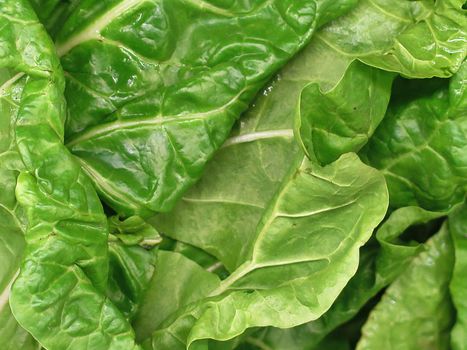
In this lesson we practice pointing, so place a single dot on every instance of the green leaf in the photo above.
(58, 295)
(154, 87)
(416, 311)
(12, 335)
(421, 146)
(458, 91)
(342, 119)
(419, 39)
(12, 219)
(290, 265)
(458, 286)
(225, 206)
(199, 256)
(178, 281)
(133, 231)
(12, 226)
(338, 112)
(132, 261)
(53, 13)
(379, 265)
(264, 133)
(130, 271)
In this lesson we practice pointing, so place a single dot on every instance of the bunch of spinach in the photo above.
(223, 174)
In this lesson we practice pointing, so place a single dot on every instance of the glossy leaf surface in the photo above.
(12, 225)
(154, 87)
(419, 39)
(57, 296)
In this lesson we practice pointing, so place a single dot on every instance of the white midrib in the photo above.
(150, 242)
(203, 5)
(93, 31)
(251, 265)
(9, 83)
(259, 135)
(4, 297)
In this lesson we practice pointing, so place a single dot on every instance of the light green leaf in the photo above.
(416, 311)
(12, 226)
(225, 206)
(133, 231)
(458, 286)
(379, 265)
(342, 119)
(12, 335)
(12, 220)
(291, 274)
(178, 281)
(421, 146)
(419, 39)
(458, 92)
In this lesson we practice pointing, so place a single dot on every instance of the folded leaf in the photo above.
(379, 265)
(58, 295)
(304, 250)
(335, 116)
(458, 286)
(132, 259)
(342, 119)
(416, 311)
(421, 146)
(12, 218)
(154, 87)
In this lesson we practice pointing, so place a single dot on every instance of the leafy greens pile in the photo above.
(221, 174)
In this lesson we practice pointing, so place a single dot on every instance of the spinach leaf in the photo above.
(380, 264)
(421, 146)
(416, 311)
(58, 294)
(154, 87)
(335, 116)
(53, 13)
(458, 230)
(12, 226)
(293, 256)
(419, 39)
(224, 207)
(132, 260)
(228, 219)
(12, 218)
(342, 119)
